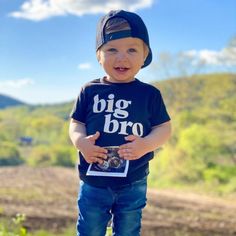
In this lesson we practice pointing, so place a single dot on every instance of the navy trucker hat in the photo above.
(137, 30)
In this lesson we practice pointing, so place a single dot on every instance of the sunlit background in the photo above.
(47, 52)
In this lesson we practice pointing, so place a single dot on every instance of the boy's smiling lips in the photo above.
(121, 69)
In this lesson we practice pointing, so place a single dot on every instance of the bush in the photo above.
(9, 154)
(14, 227)
(220, 174)
(52, 156)
(64, 156)
(40, 156)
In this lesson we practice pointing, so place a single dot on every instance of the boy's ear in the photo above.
(98, 56)
(146, 51)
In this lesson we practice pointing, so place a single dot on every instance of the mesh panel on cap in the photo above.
(116, 24)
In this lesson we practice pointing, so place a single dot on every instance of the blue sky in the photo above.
(47, 47)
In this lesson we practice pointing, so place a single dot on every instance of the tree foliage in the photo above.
(9, 154)
(202, 148)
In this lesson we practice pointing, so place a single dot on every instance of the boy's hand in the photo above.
(90, 151)
(134, 149)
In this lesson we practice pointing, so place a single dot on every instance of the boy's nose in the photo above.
(121, 56)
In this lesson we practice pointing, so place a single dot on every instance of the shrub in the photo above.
(9, 154)
(13, 227)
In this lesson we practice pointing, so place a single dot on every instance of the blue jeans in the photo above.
(97, 206)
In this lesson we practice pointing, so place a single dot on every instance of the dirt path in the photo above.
(48, 198)
(188, 214)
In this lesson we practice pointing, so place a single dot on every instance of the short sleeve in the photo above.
(80, 106)
(159, 113)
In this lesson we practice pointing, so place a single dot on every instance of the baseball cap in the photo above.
(137, 30)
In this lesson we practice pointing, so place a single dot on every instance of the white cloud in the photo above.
(17, 84)
(209, 57)
(190, 53)
(85, 66)
(224, 57)
(37, 10)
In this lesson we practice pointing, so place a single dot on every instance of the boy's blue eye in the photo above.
(112, 50)
(132, 50)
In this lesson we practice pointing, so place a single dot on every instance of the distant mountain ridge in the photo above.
(7, 101)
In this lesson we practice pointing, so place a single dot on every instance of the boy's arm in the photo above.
(86, 144)
(138, 146)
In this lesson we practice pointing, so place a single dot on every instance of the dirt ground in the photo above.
(48, 198)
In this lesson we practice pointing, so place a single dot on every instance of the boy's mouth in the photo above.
(121, 69)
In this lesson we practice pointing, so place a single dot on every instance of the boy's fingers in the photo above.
(130, 157)
(125, 149)
(100, 149)
(95, 159)
(94, 137)
(101, 155)
(124, 146)
(98, 160)
(130, 138)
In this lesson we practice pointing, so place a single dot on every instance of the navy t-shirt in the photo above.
(117, 110)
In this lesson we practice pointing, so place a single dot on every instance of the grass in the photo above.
(30, 194)
(66, 232)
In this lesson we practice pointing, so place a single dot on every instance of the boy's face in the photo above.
(122, 58)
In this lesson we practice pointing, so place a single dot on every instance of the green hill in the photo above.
(6, 101)
(202, 150)
(211, 91)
